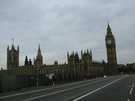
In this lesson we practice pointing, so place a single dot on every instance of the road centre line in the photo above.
(128, 99)
(131, 90)
(100, 88)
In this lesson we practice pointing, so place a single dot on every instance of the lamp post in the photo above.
(37, 79)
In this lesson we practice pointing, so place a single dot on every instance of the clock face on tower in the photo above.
(109, 42)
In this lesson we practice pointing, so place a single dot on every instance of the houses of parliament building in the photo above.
(35, 73)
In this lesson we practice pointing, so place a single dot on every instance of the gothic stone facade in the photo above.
(76, 68)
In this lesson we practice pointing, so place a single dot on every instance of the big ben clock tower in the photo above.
(110, 46)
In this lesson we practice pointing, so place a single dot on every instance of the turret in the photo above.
(26, 61)
(39, 58)
(30, 62)
(12, 57)
(67, 55)
(39, 51)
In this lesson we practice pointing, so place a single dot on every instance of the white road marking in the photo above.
(131, 90)
(60, 91)
(128, 99)
(28, 92)
(40, 90)
(79, 98)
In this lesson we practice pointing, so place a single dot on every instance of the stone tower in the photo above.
(73, 58)
(12, 57)
(39, 58)
(86, 59)
(110, 46)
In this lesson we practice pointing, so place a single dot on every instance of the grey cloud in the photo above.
(61, 26)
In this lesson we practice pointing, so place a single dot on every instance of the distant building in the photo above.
(110, 46)
(12, 57)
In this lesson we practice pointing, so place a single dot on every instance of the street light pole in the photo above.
(37, 79)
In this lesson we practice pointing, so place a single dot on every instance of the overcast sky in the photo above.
(67, 25)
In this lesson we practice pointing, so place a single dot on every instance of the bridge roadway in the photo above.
(113, 88)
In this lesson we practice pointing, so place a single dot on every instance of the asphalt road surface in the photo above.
(114, 88)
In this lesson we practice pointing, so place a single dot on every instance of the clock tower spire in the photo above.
(110, 46)
(109, 30)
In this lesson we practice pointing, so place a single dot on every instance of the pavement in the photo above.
(113, 88)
